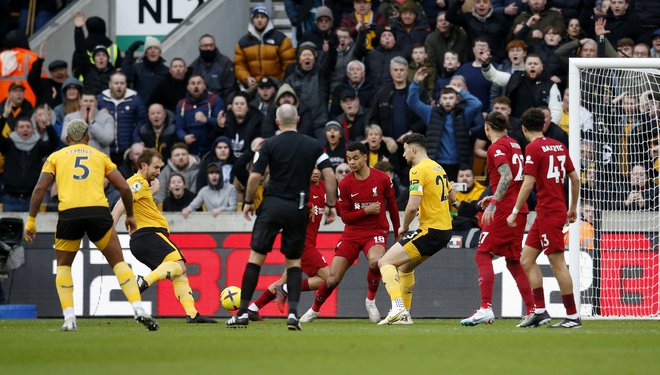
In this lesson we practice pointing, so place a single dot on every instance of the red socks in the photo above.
(486, 278)
(373, 281)
(321, 295)
(522, 281)
(569, 304)
(264, 298)
(539, 298)
(304, 285)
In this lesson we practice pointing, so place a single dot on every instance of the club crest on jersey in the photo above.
(498, 152)
(528, 160)
(136, 187)
(375, 191)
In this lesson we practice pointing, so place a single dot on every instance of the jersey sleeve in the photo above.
(498, 155)
(109, 165)
(416, 181)
(532, 162)
(322, 160)
(49, 165)
(569, 164)
(261, 159)
(139, 189)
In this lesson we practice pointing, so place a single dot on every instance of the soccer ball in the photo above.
(230, 298)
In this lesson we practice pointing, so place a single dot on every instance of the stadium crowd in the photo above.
(349, 68)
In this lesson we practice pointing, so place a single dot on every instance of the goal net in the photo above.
(614, 107)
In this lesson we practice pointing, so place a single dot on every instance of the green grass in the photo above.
(337, 346)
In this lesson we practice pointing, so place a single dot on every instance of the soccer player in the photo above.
(290, 157)
(364, 195)
(505, 172)
(149, 242)
(430, 194)
(313, 264)
(546, 165)
(78, 171)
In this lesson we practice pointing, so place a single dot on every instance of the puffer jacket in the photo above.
(163, 141)
(267, 54)
(129, 113)
(210, 105)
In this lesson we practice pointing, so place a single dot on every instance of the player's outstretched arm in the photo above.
(502, 186)
(523, 194)
(575, 192)
(38, 193)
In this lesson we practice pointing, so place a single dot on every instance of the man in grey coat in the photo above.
(101, 124)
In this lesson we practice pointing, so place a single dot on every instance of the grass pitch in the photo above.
(328, 346)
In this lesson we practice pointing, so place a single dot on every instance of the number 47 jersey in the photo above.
(548, 161)
(506, 150)
(79, 171)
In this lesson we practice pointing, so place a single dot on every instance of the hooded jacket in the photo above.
(226, 166)
(260, 55)
(239, 135)
(59, 110)
(188, 172)
(129, 113)
(305, 125)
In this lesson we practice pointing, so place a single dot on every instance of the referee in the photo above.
(291, 158)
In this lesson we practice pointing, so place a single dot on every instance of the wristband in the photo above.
(31, 221)
(329, 206)
(248, 202)
(515, 211)
(493, 202)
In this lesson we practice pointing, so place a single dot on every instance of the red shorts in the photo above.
(311, 261)
(499, 238)
(351, 245)
(546, 233)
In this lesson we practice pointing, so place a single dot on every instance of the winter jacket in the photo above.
(129, 113)
(377, 61)
(259, 55)
(218, 74)
(210, 105)
(305, 125)
(144, 75)
(405, 39)
(437, 44)
(312, 89)
(101, 130)
(364, 90)
(240, 135)
(189, 174)
(168, 92)
(226, 166)
(45, 89)
(224, 198)
(381, 112)
(493, 26)
(163, 141)
(549, 17)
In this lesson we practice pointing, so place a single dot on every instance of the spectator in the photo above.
(159, 131)
(221, 155)
(286, 95)
(574, 30)
(342, 171)
(16, 63)
(240, 124)
(345, 54)
(130, 166)
(95, 74)
(128, 111)
(655, 42)
(465, 212)
(181, 162)
(526, 89)
(178, 197)
(173, 88)
(641, 50)
(14, 106)
(355, 79)
(478, 85)
(363, 19)
(569, 9)
(446, 37)
(409, 28)
(587, 47)
(586, 117)
(624, 47)
(482, 22)
(335, 146)
(450, 66)
(501, 104)
(216, 196)
(146, 74)
(310, 79)
(197, 115)
(264, 51)
(322, 31)
(377, 59)
(24, 151)
(266, 89)
(101, 125)
(216, 68)
(640, 194)
(551, 129)
(352, 118)
(85, 46)
(49, 89)
(447, 132)
(552, 66)
(533, 21)
(419, 59)
(71, 93)
(648, 13)
(243, 165)
(619, 22)
(399, 191)
(301, 14)
(516, 52)
(380, 148)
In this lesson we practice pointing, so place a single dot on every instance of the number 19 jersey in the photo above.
(506, 150)
(548, 161)
(79, 171)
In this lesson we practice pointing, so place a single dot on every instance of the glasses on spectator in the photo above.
(343, 171)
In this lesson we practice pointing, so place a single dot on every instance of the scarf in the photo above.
(25, 145)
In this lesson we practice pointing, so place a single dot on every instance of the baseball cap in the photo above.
(655, 33)
(57, 64)
(333, 124)
(266, 82)
(99, 48)
(16, 85)
(347, 93)
(260, 9)
(76, 130)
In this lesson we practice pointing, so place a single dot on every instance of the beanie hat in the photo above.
(307, 46)
(324, 11)
(260, 9)
(150, 41)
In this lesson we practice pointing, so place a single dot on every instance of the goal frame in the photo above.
(575, 64)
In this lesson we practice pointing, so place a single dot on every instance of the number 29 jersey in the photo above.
(79, 171)
(506, 150)
(548, 161)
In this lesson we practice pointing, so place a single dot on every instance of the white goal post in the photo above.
(614, 135)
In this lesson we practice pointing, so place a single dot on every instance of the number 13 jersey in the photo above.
(79, 171)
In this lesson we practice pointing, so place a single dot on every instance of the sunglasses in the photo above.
(343, 171)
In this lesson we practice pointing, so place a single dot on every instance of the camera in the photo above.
(460, 186)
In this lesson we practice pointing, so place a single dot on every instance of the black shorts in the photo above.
(74, 223)
(425, 242)
(277, 214)
(152, 246)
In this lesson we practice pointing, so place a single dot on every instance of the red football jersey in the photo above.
(548, 161)
(506, 150)
(316, 205)
(355, 195)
